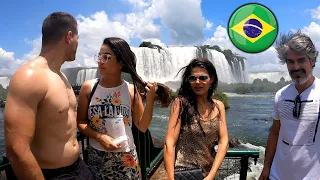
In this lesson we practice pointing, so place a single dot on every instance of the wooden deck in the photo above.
(160, 174)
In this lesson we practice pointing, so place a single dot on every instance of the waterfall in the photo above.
(4, 81)
(85, 74)
(162, 65)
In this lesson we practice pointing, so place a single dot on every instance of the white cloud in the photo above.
(120, 17)
(220, 37)
(209, 24)
(139, 4)
(185, 24)
(8, 63)
(184, 20)
(141, 26)
(95, 28)
(36, 48)
(315, 13)
(266, 61)
(6, 56)
(92, 31)
(98, 25)
(313, 30)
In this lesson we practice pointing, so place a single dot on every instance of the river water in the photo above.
(247, 119)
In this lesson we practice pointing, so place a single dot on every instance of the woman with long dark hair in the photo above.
(196, 122)
(108, 107)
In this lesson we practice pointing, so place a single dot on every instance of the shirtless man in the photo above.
(40, 116)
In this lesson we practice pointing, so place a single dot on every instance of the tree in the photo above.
(217, 48)
(227, 52)
(257, 81)
(145, 44)
(221, 96)
(3, 93)
(150, 45)
(242, 88)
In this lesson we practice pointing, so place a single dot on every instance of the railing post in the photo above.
(244, 167)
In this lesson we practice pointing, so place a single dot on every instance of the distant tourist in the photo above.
(196, 122)
(109, 106)
(39, 118)
(293, 147)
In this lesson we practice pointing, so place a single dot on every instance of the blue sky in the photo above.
(20, 22)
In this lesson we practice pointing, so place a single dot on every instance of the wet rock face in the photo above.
(157, 142)
(234, 143)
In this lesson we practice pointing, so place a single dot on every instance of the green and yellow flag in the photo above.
(253, 28)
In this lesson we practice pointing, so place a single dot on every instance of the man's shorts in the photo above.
(76, 171)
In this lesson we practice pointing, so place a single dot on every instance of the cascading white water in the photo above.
(163, 65)
(4, 81)
(85, 74)
(239, 70)
(221, 64)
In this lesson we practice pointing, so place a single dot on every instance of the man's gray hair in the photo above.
(298, 42)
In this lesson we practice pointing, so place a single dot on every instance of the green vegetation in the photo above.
(257, 85)
(175, 93)
(3, 93)
(221, 96)
(3, 96)
(150, 45)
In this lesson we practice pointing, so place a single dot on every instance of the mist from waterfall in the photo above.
(271, 76)
(4, 81)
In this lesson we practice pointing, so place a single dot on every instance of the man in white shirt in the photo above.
(293, 147)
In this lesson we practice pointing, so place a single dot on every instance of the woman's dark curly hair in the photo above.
(188, 111)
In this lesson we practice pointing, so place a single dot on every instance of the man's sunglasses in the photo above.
(296, 109)
(194, 78)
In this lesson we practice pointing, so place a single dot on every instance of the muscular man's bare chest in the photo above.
(59, 104)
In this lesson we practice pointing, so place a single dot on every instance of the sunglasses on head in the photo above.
(201, 78)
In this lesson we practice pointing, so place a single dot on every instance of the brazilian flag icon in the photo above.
(252, 28)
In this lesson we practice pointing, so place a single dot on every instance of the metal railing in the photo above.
(235, 162)
(151, 156)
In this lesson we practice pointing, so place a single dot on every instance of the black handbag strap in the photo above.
(90, 97)
(93, 90)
